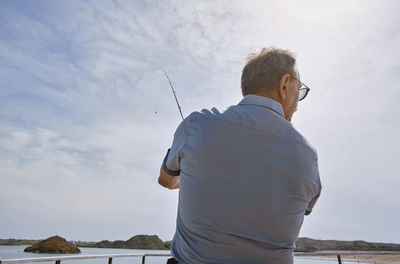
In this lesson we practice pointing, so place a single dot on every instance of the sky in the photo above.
(86, 113)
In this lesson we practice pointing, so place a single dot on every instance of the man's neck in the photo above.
(272, 96)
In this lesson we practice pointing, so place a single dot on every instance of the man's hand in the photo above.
(168, 181)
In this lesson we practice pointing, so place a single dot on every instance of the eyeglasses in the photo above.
(303, 89)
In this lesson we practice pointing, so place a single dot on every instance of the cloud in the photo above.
(81, 83)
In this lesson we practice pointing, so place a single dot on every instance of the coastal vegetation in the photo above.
(54, 244)
(305, 244)
(17, 242)
(135, 242)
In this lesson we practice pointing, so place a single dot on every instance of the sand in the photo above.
(373, 257)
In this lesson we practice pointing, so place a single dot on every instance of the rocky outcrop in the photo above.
(54, 244)
(136, 242)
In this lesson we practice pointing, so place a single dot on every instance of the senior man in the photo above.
(246, 176)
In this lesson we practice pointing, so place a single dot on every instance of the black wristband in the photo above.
(168, 171)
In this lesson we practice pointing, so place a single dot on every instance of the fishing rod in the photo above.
(176, 98)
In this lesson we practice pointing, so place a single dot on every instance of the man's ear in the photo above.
(283, 86)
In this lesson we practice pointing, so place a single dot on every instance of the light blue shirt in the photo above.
(247, 177)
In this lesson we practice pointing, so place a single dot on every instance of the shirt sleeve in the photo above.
(313, 202)
(171, 164)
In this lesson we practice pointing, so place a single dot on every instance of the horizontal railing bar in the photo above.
(43, 259)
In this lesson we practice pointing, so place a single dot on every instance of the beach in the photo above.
(374, 257)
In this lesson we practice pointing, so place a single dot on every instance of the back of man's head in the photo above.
(264, 69)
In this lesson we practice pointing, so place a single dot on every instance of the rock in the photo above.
(54, 244)
(145, 242)
(136, 242)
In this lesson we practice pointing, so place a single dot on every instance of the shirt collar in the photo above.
(261, 101)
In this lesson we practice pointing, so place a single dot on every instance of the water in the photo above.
(11, 252)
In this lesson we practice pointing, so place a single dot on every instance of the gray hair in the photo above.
(264, 69)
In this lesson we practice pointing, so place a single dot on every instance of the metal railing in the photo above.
(58, 259)
(110, 257)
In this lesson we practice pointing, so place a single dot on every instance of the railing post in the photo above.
(143, 259)
(339, 259)
(109, 260)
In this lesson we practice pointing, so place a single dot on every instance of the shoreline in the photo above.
(366, 256)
